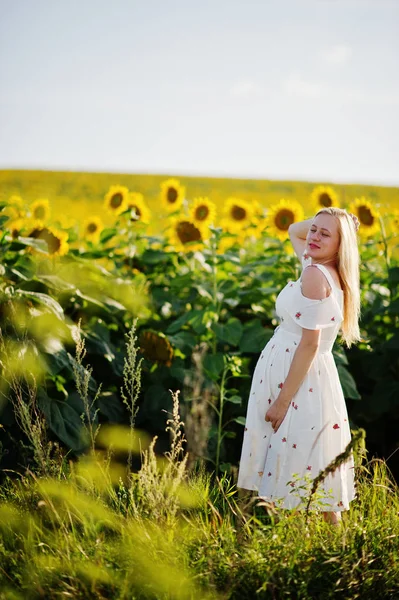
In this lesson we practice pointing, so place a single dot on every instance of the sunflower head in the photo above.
(14, 208)
(202, 211)
(281, 216)
(367, 215)
(238, 214)
(172, 194)
(156, 347)
(323, 196)
(92, 228)
(15, 227)
(116, 199)
(55, 239)
(40, 210)
(140, 210)
(187, 236)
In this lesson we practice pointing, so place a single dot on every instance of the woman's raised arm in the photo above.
(298, 232)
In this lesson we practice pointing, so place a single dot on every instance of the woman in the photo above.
(297, 420)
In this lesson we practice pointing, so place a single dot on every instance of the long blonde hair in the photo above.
(348, 261)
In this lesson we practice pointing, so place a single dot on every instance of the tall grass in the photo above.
(99, 530)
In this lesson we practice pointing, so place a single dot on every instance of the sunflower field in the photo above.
(127, 301)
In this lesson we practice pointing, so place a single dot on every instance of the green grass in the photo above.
(95, 531)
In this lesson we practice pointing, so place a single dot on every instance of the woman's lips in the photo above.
(313, 246)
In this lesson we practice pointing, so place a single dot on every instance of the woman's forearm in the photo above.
(300, 365)
(300, 228)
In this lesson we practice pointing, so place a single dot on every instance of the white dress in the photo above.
(280, 466)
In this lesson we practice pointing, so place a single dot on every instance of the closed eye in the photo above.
(313, 230)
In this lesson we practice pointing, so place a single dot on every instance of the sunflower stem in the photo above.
(214, 287)
(220, 419)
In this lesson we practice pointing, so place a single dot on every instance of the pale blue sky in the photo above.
(294, 89)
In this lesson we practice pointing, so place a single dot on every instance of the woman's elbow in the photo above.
(311, 339)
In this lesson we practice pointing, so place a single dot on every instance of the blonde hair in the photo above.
(348, 261)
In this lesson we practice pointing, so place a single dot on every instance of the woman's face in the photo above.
(322, 241)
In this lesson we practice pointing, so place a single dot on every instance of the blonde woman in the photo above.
(297, 420)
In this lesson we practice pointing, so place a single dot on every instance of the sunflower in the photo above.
(116, 199)
(185, 235)
(156, 347)
(16, 202)
(280, 217)
(40, 210)
(92, 228)
(56, 240)
(238, 214)
(137, 204)
(14, 208)
(15, 227)
(394, 222)
(367, 215)
(172, 194)
(323, 197)
(202, 211)
(229, 241)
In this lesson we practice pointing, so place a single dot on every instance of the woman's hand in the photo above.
(355, 221)
(276, 414)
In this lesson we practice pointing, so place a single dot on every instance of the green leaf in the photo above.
(63, 419)
(348, 383)
(229, 332)
(340, 356)
(234, 399)
(44, 300)
(254, 337)
(213, 365)
(184, 340)
(111, 407)
(240, 420)
(107, 234)
(180, 321)
(154, 257)
(58, 361)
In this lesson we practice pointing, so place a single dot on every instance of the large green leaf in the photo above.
(254, 337)
(213, 365)
(229, 332)
(179, 322)
(64, 419)
(44, 300)
(111, 407)
(348, 383)
(184, 340)
(154, 257)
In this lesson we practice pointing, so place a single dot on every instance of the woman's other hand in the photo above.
(276, 414)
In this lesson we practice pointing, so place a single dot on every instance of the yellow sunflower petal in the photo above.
(187, 236)
(172, 194)
(116, 199)
(238, 214)
(281, 215)
(367, 215)
(202, 211)
(137, 204)
(56, 239)
(92, 228)
(40, 209)
(323, 196)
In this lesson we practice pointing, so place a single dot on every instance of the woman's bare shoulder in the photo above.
(314, 283)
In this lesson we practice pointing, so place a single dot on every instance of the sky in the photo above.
(270, 89)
